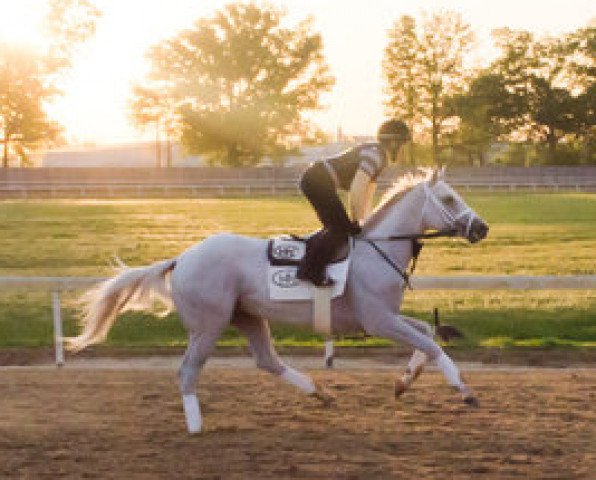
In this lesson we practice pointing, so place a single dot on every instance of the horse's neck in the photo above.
(402, 218)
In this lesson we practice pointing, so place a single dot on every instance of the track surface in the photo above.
(99, 422)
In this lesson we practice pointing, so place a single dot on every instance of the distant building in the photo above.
(123, 155)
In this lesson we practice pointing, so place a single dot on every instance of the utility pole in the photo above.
(157, 144)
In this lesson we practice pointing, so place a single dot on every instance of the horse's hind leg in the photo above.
(259, 339)
(200, 346)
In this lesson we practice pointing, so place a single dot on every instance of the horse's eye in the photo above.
(448, 200)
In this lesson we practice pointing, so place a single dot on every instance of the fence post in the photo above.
(329, 353)
(58, 342)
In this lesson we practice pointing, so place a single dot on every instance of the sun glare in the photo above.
(22, 22)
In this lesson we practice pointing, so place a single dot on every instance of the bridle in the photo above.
(448, 217)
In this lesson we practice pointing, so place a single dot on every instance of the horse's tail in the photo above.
(131, 289)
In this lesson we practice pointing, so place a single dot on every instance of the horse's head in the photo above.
(444, 209)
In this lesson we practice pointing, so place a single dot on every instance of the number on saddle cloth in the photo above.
(286, 250)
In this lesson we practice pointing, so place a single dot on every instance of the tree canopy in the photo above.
(538, 90)
(236, 87)
(424, 64)
(28, 79)
(551, 79)
(23, 122)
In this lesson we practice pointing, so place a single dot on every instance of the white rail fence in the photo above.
(220, 181)
(251, 187)
(503, 282)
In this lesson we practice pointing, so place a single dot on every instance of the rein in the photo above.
(416, 249)
(413, 236)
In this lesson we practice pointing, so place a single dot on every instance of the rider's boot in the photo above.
(319, 252)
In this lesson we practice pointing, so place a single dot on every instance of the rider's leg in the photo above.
(321, 192)
(319, 252)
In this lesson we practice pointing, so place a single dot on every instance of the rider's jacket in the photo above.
(369, 157)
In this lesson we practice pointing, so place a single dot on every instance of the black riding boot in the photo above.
(319, 253)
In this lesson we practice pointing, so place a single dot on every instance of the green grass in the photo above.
(531, 234)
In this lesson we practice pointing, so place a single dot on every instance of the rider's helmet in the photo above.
(393, 132)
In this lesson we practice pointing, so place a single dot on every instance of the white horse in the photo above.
(222, 281)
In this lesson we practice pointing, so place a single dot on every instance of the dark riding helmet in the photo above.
(394, 130)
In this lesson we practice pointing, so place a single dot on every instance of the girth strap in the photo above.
(321, 298)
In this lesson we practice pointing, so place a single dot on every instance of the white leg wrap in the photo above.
(303, 382)
(418, 358)
(192, 412)
(449, 369)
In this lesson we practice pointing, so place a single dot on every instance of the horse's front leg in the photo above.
(417, 361)
(415, 367)
(399, 329)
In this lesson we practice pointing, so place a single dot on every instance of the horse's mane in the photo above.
(396, 192)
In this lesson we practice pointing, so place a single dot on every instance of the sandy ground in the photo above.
(125, 421)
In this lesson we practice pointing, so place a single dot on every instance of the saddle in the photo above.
(284, 254)
(289, 250)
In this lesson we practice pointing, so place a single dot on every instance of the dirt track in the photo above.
(80, 423)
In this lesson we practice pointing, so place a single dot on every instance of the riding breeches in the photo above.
(320, 190)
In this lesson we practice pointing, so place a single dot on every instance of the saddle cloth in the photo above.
(284, 255)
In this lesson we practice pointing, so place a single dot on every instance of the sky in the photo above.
(94, 107)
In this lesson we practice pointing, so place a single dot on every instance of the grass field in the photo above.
(531, 234)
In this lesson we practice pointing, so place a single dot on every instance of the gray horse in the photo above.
(222, 281)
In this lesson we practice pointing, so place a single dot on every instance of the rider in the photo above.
(355, 170)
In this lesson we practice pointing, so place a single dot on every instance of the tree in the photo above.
(436, 58)
(402, 74)
(238, 85)
(581, 65)
(580, 55)
(28, 80)
(550, 78)
(68, 24)
(480, 111)
(445, 40)
(151, 107)
(24, 124)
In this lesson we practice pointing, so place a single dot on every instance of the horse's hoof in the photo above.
(471, 401)
(400, 388)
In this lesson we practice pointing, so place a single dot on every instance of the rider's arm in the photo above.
(362, 191)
